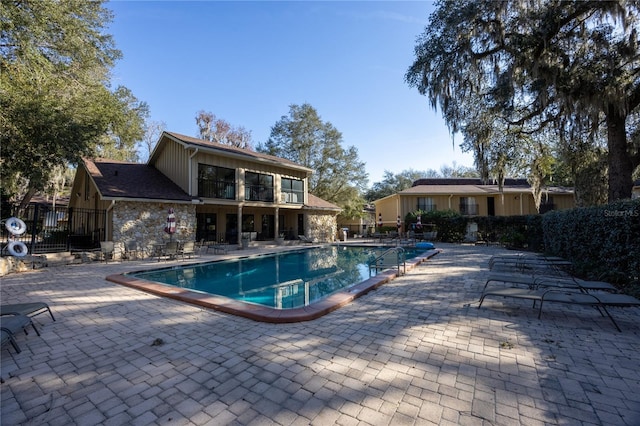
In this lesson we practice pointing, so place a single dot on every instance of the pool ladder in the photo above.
(393, 258)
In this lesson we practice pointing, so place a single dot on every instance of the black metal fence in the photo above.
(57, 229)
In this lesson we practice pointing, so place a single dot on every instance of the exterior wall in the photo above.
(321, 226)
(145, 222)
(510, 203)
(389, 207)
(173, 162)
(564, 202)
(241, 166)
(84, 193)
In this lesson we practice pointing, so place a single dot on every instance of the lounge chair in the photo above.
(598, 300)
(28, 309)
(6, 337)
(14, 323)
(528, 263)
(304, 239)
(538, 281)
(218, 248)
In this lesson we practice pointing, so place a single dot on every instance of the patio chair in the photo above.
(171, 250)
(188, 249)
(600, 301)
(106, 250)
(28, 309)
(131, 250)
(304, 239)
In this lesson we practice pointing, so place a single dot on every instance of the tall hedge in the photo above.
(602, 242)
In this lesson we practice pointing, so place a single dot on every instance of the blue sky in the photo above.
(247, 62)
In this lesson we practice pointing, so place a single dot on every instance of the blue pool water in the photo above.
(283, 281)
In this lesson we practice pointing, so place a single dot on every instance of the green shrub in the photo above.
(602, 242)
(451, 226)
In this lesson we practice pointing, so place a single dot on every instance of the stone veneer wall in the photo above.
(145, 222)
(321, 226)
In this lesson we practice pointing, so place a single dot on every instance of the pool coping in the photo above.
(264, 313)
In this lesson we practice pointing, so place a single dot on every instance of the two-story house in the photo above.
(470, 197)
(217, 192)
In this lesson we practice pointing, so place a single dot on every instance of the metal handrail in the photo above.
(400, 260)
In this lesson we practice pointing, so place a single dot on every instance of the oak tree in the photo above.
(56, 103)
(569, 66)
(303, 137)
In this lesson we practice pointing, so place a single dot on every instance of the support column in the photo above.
(239, 236)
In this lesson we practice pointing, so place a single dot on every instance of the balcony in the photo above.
(291, 197)
(258, 193)
(216, 189)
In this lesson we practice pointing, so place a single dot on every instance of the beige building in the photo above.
(217, 193)
(470, 197)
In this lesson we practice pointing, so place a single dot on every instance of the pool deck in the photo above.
(414, 351)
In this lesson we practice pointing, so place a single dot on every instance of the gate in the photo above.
(58, 229)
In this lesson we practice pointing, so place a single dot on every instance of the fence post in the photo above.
(34, 228)
(69, 226)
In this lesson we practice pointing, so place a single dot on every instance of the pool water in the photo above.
(285, 280)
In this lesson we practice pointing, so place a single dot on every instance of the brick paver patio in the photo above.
(415, 351)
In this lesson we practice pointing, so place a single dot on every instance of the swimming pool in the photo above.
(285, 282)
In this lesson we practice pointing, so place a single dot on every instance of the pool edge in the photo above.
(264, 313)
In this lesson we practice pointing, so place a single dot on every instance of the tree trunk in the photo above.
(620, 164)
(25, 201)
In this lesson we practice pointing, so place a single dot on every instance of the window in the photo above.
(546, 204)
(292, 191)
(426, 204)
(248, 223)
(258, 187)
(468, 206)
(216, 182)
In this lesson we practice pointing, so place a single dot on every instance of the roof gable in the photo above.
(223, 150)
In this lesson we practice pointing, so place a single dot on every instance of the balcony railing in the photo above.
(258, 193)
(292, 197)
(216, 189)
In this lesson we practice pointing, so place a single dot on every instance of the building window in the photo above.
(546, 204)
(216, 182)
(426, 204)
(258, 187)
(468, 206)
(292, 191)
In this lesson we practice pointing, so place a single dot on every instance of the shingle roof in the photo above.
(467, 181)
(318, 203)
(119, 179)
(477, 189)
